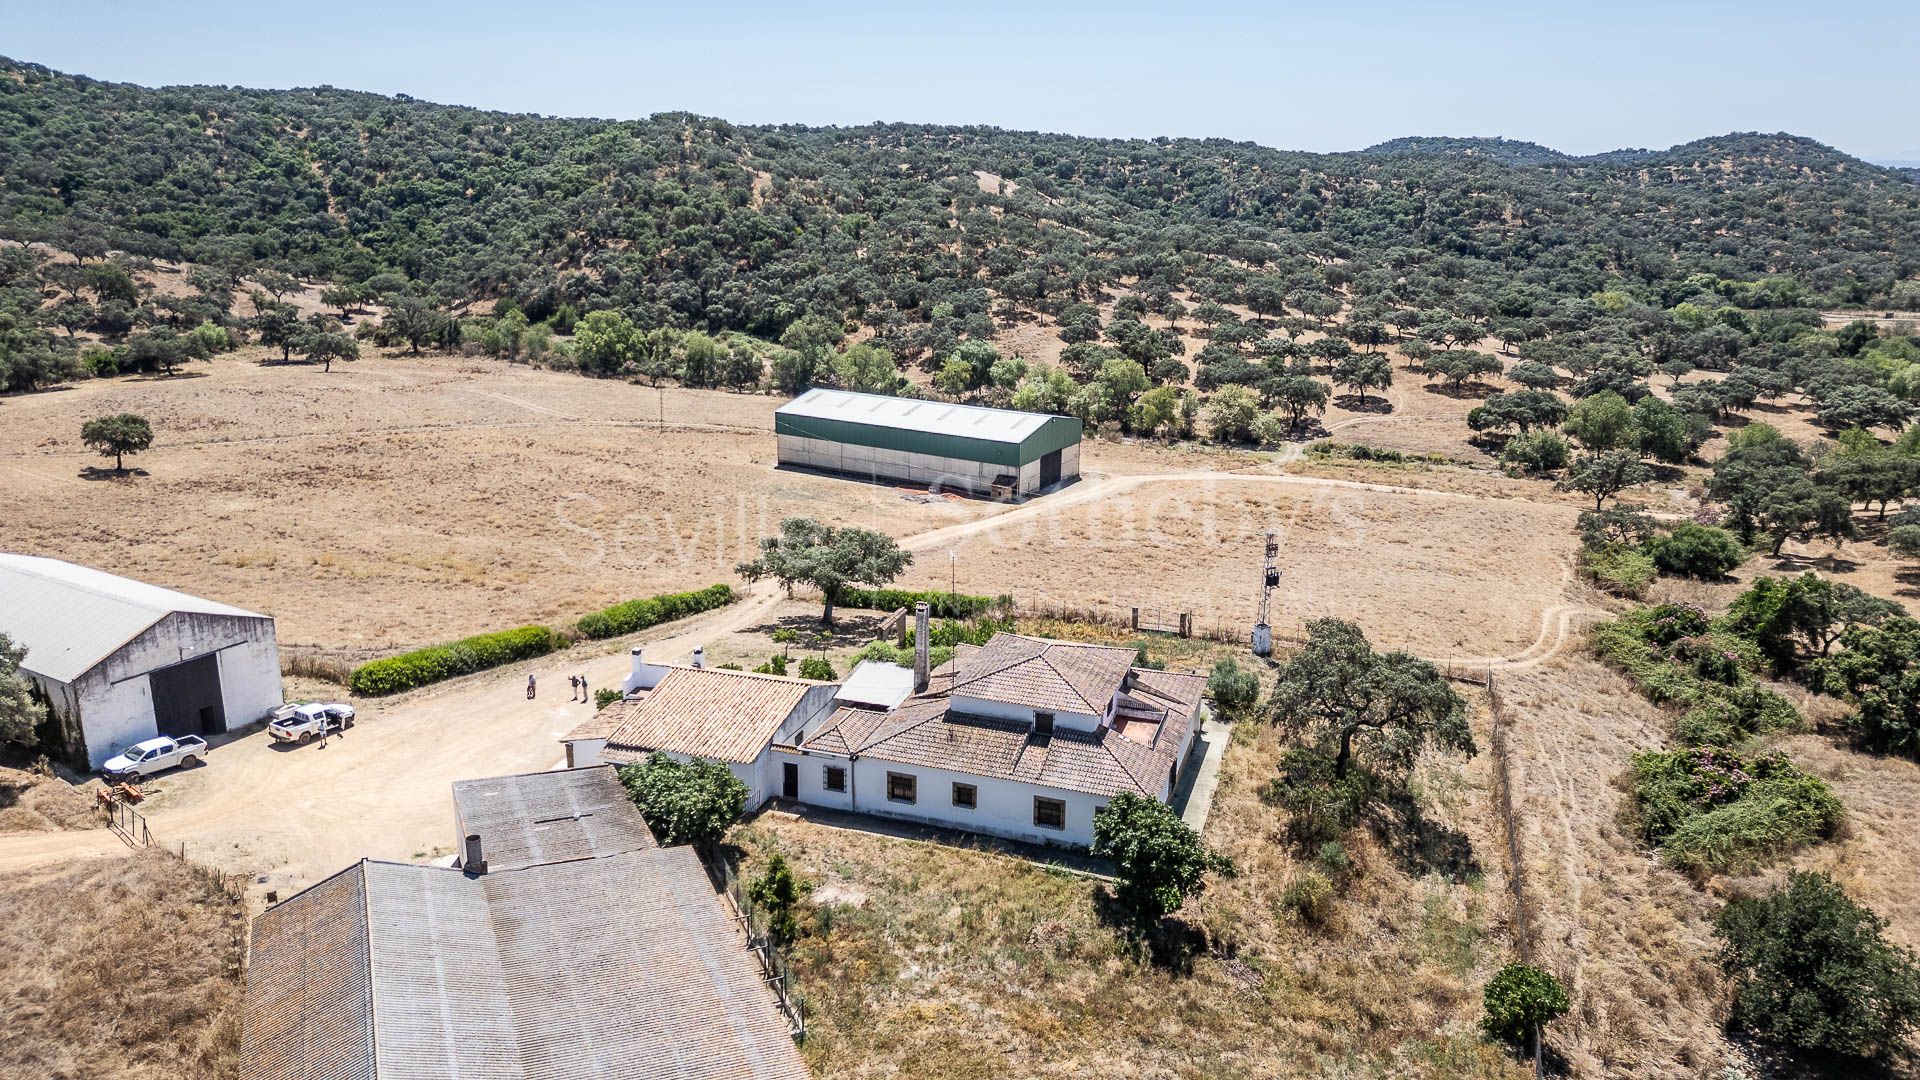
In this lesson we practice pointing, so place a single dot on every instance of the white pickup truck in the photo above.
(149, 757)
(309, 721)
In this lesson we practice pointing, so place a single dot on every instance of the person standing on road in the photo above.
(583, 689)
(529, 686)
(573, 688)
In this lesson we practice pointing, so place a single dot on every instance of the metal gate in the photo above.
(186, 697)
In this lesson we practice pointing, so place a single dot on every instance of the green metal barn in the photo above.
(960, 447)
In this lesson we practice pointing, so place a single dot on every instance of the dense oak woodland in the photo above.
(688, 245)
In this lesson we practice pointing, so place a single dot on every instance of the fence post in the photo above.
(1136, 619)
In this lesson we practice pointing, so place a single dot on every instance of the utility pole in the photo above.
(1269, 580)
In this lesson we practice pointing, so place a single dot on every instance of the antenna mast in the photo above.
(1269, 580)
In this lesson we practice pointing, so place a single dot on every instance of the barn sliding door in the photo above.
(186, 697)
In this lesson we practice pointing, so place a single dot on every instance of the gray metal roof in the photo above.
(625, 967)
(71, 617)
(549, 817)
(913, 414)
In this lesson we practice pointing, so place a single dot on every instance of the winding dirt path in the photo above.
(383, 790)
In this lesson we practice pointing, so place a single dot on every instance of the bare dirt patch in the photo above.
(1437, 574)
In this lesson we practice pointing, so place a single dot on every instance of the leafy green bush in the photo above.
(1700, 551)
(774, 892)
(775, 665)
(1710, 810)
(1677, 656)
(1878, 670)
(1618, 569)
(967, 632)
(1234, 689)
(692, 802)
(1536, 451)
(817, 669)
(1308, 898)
(1321, 805)
(634, 615)
(430, 665)
(941, 605)
(605, 696)
(937, 656)
(1519, 999)
(1813, 970)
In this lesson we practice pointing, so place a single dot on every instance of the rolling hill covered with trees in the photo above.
(694, 222)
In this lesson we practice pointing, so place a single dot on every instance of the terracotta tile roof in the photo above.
(705, 712)
(602, 723)
(927, 730)
(1056, 676)
(549, 817)
(618, 968)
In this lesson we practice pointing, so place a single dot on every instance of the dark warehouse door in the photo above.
(1050, 468)
(186, 697)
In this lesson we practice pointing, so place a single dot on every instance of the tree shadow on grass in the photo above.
(851, 627)
(1826, 564)
(1372, 404)
(1419, 845)
(1472, 388)
(95, 472)
(1908, 580)
(1172, 944)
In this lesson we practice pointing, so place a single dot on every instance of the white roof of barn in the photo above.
(912, 414)
(71, 617)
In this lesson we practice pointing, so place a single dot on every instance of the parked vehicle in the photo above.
(146, 758)
(314, 720)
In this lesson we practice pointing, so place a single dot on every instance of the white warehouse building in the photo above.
(119, 660)
(964, 447)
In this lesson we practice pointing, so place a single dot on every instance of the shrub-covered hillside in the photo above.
(695, 222)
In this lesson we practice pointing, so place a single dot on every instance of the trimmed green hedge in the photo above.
(625, 618)
(941, 605)
(422, 666)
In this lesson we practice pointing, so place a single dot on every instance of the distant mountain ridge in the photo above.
(1740, 144)
(693, 221)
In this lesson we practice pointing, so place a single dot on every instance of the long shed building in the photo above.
(962, 447)
(120, 660)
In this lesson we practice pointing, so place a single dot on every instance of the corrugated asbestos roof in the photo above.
(912, 414)
(705, 712)
(549, 817)
(71, 617)
(618, 968)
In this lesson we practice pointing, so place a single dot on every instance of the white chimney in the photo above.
(473, 862)
(700, 656)
(644, 676)
(920, 647)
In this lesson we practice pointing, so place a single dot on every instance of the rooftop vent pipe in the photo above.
(473, 862)
(700, 656)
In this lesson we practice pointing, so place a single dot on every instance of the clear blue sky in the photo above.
(1321, 76)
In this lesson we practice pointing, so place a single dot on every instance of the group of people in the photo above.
(578, 682)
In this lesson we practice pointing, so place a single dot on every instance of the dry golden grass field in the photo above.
(397, 501)
(125, 967)
(920, 959)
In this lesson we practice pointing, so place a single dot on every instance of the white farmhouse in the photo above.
(120, 660)
(1022, 738)
(689, 712)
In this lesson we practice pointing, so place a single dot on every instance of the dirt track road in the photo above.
(382, 791)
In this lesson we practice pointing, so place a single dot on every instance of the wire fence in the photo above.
(775, 970)
(128, 824)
